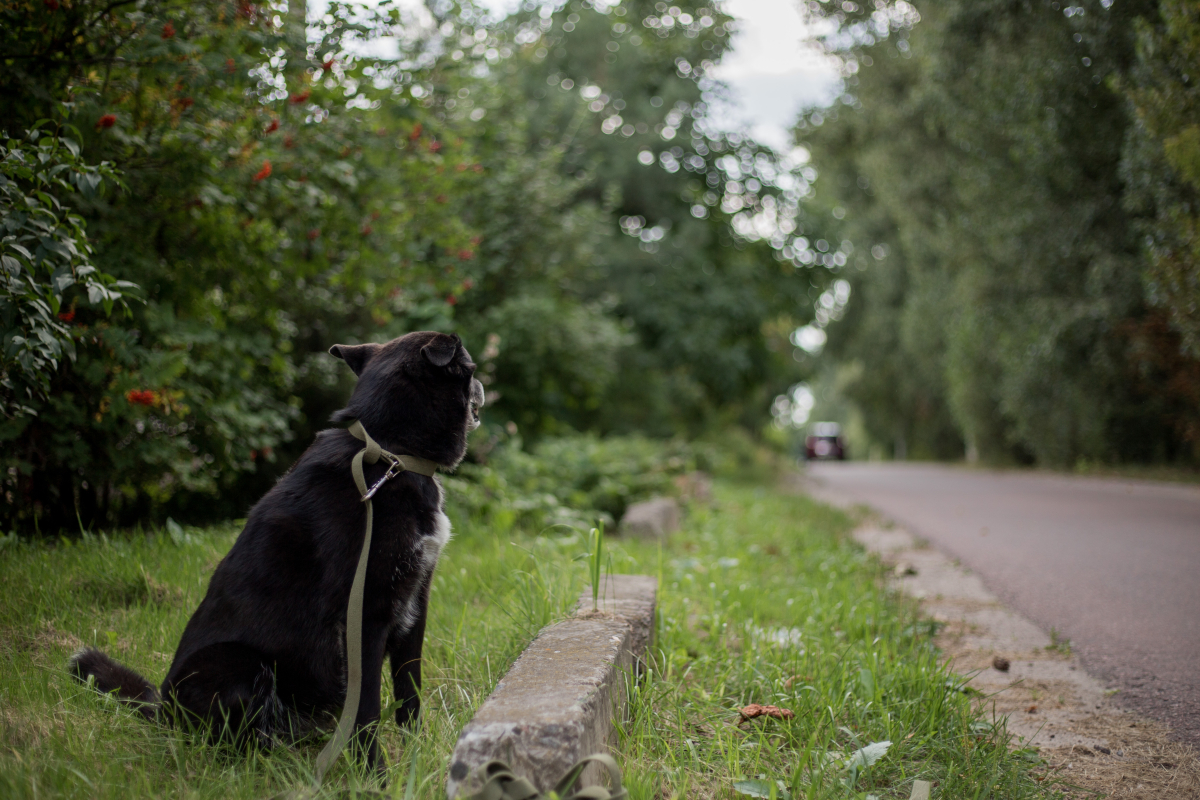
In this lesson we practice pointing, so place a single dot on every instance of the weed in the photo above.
(1059, 643)
(596, 562)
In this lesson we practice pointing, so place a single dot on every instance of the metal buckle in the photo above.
(395, 469)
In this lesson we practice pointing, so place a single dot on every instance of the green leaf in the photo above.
(62, 279)
(868, 755)
(88, 184)
(57, 247)
(176, 532)
(866, 681)
(754, 788)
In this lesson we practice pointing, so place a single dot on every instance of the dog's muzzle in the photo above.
(476, 404)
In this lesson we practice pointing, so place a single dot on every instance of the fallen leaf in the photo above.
(755, 710)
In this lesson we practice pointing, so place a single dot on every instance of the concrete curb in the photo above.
(558, 702)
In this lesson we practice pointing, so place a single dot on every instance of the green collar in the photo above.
(373, 453)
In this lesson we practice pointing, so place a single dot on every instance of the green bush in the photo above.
(45, 262)
(269, 208)
(572, 480)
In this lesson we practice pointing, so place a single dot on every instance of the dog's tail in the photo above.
(94, 668)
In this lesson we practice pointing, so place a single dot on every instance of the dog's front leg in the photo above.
(365, 742)
(404, 651)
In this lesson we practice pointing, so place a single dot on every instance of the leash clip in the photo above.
(395, 469)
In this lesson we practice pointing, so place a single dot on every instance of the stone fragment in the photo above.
(920, 790)
(694, 486)
(652, 519)
(558, 702)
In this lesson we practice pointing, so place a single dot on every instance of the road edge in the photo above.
(1029, 681)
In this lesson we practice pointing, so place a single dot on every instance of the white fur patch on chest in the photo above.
(434, 544)
(430, 549)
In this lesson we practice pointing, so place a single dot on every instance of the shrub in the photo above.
(572, 480)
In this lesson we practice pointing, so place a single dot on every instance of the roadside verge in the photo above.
(1027, 677)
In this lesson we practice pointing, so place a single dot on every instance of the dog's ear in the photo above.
(441, 349)
(356, 356)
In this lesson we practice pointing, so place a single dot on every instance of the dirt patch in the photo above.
(43, 640)
(127, 592)
(1043, 696)
(1139, 763)
(21, 732)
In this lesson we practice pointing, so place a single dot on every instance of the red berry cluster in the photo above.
(142, 397)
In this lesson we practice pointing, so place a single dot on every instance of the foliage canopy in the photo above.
(548, 184)
(1001, 188)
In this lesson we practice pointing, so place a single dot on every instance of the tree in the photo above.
(680, 235)
(988, 139)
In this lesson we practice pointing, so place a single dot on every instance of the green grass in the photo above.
(762, 600)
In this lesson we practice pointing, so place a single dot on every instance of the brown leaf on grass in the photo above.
(755, 710)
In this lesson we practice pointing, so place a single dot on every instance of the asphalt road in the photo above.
(1112, 565)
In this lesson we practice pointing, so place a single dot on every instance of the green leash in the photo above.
(371, 454)
(498, 781)
(501, 784)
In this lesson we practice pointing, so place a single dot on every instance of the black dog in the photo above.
(264, 654)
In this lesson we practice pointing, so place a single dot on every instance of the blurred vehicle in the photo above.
(824, 441)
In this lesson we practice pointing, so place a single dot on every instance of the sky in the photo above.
(770, 73)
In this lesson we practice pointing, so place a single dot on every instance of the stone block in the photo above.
(559, 700)
(652, 519)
